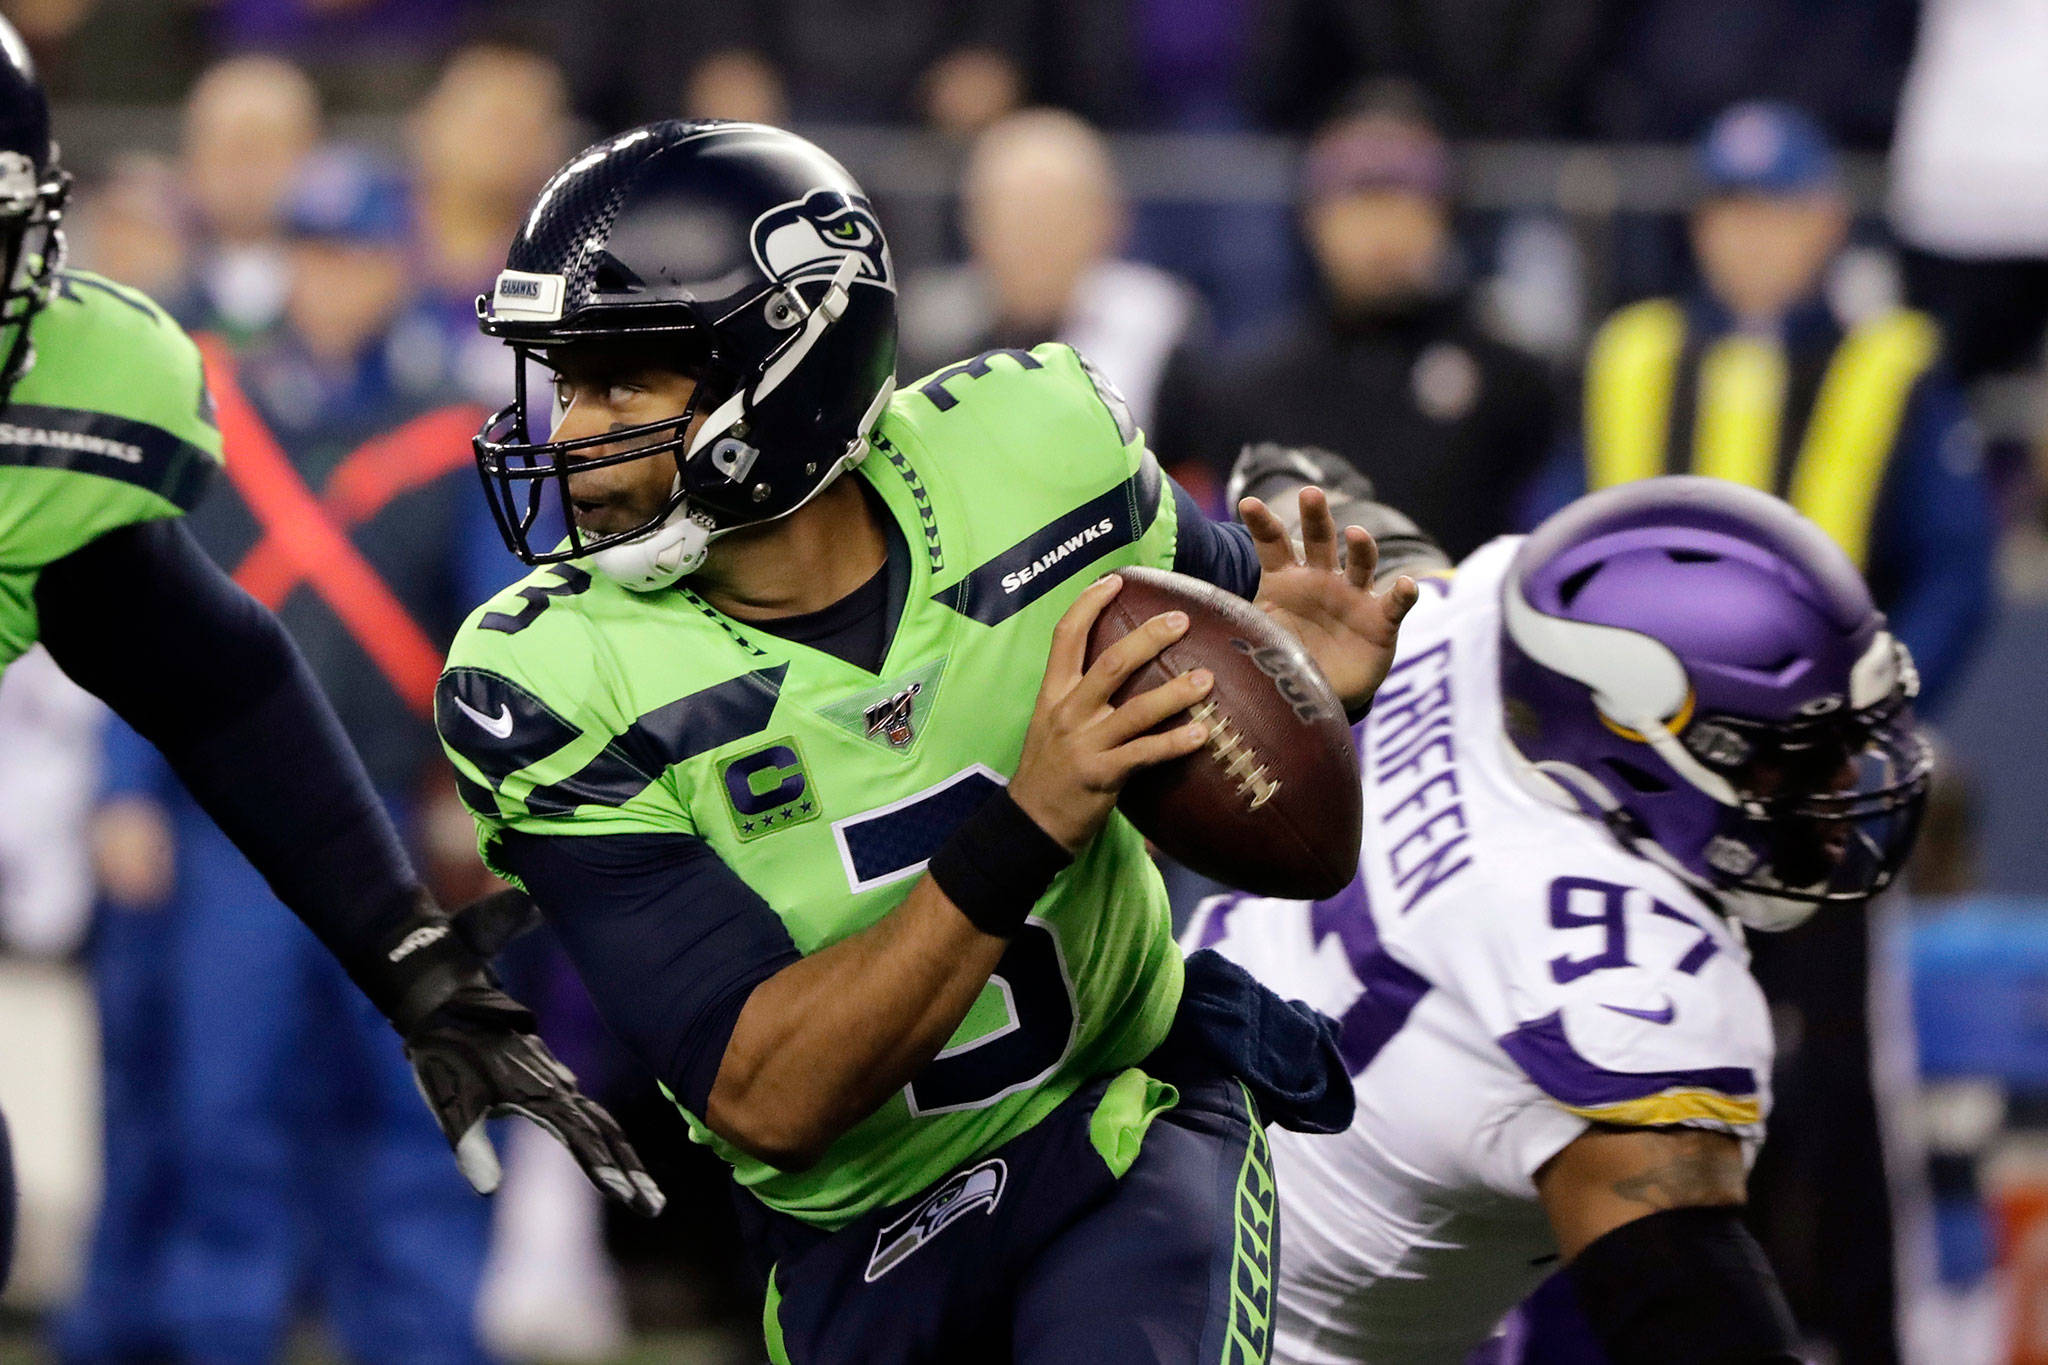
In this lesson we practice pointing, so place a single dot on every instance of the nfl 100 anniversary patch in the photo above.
(891, 714)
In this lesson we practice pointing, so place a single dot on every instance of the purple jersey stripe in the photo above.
(1391, 990)
(1217, 923)
(1547, 1057)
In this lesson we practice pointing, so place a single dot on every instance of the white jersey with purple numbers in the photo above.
(1507, 974)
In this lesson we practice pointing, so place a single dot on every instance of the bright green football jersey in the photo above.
(573, 706)
(111, 425)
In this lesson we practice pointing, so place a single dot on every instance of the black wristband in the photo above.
(417, 967)
(997, 865)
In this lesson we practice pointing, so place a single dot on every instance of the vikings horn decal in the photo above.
(808, 240)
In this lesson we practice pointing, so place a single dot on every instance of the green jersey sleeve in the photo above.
(111, 425)
(552, 731)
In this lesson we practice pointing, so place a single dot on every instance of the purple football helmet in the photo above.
(1699, 666)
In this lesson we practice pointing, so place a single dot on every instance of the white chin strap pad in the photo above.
(671, 551)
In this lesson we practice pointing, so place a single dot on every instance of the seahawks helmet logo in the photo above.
(807, 240)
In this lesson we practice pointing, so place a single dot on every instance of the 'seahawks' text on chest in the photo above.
(12, 435)
(1019, 577)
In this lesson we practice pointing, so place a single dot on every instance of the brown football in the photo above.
(1272, 803)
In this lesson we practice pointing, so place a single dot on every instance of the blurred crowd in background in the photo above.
(1492, 251)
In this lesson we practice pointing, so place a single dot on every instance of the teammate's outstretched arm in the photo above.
(823, 1042)
(144, 620)
(1649, 1223)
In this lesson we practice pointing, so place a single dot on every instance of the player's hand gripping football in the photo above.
(1347, 628)
(1080, 750)
(476, 1056)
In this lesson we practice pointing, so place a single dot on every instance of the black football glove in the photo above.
(474, 1052)
(476, 1056)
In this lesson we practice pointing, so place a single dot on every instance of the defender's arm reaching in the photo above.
(1649, 1222)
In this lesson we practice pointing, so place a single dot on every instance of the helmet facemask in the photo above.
(519, 472)
(1827, 807)
(1771, 812)
(31, 248)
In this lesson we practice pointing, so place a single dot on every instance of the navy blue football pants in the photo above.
(1043, 1254)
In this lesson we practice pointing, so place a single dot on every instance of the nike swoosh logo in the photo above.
(1662, 1016)
(498, 727)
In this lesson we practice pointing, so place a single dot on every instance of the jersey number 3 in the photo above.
(1031, 977)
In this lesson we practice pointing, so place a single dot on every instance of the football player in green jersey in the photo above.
(106, 439)
(808, 775)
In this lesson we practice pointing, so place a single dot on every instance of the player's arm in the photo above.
(698, 976)
(1630, 1011)
(780, 1053)
(1614, 1176)
(1649, 1223)
(144, 620)
(141, 618)
(820, 1045)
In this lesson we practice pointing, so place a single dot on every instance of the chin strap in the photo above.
(676, 549)
(1765, 914)
(817, 322)
(670, 552)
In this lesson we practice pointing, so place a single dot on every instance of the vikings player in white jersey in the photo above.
(1603, 751)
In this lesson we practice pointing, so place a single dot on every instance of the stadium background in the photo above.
(431, 122)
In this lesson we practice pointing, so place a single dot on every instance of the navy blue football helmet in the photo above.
(33, 189)
(753, 261)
